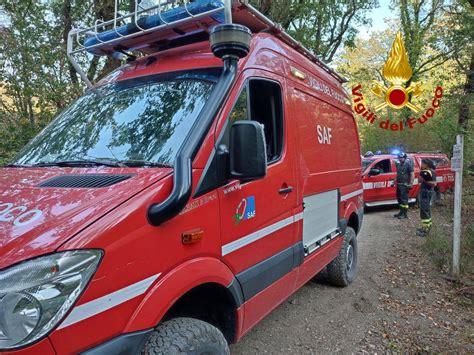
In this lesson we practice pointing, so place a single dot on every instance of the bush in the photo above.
(439, 244)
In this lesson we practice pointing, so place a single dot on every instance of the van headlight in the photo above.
(35, 295)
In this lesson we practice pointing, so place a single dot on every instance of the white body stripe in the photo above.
(387, 202)
(250, 238)
(106, 302)
(439, 179)
(352, 194)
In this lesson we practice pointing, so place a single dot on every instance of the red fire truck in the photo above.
(184, 196)
(380, 173)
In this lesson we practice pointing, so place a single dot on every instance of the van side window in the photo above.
(261, 100)
(266, 107)
(384, 165)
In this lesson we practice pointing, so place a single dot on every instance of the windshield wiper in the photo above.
(110, 162)
(81, 163)
(140, 163)
(17, 166)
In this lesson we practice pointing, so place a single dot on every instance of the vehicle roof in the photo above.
(267, 52)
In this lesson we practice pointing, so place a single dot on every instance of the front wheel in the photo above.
(186, 336)
(343, 270)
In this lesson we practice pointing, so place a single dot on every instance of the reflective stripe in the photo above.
(250, 238)
(106, 302)
(426, 220)
(351, 194)
(404, 206)
(387, 202)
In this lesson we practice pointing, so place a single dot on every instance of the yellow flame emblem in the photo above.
(397, 71)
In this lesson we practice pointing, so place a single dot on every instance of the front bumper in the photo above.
(125, 344)
(43, 347)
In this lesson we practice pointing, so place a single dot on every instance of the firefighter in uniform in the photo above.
(405, 176)
(428, 183)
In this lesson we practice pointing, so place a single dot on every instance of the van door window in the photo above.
(266, 107)
(261, 100)
(384, 166)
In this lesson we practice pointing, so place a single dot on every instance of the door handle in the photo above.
(285, 190)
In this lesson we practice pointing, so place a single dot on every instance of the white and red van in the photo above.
(183, 197)
(379, 173)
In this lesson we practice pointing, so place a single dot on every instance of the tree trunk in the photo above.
(31, 115)
(464, 110)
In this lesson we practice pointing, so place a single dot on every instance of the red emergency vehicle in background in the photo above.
(380, 173)
(444, 174)
(184, 196)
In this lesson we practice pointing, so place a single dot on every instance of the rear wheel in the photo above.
(343, 270)
(186, 336)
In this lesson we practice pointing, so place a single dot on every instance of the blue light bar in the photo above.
(195, 8)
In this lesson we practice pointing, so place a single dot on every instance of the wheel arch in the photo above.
(353, 222)
(191, 281)
(352, 218)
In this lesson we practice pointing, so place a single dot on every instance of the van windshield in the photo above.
(136, 120)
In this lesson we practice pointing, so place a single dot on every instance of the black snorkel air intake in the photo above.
(230, 42)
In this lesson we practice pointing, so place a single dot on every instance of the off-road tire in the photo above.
(186, 336)
(343, 270)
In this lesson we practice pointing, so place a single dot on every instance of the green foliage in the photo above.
(363, 64)
(13, 138)
(439, 243)
(321, 26)
(36, 78)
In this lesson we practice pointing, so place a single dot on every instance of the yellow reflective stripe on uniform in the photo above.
(426, 220)
(404, 206)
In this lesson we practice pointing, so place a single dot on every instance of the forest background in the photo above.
(37, 81)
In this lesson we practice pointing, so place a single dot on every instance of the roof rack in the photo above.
(148, 29)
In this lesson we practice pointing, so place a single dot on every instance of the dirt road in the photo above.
(386, 308)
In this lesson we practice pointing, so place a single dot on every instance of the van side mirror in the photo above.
(374, 172)
(248, 152)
